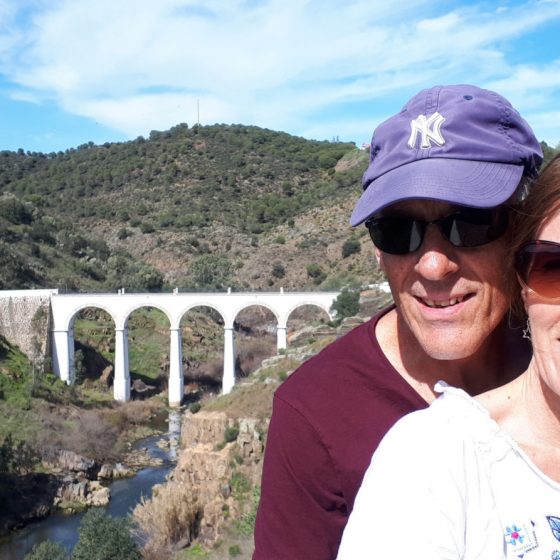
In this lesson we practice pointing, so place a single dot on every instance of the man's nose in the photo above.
(436, 256)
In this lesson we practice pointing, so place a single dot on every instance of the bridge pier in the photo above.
(228, 379)
(121, 383)
(281, 338)
(63, 355)
(176, 383)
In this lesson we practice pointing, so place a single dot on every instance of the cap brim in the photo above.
(469, 183)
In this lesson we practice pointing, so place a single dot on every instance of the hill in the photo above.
(205, 207)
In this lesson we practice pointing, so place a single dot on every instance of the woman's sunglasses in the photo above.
(468, 227)
(538, 265)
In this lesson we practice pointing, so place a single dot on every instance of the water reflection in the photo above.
(174, 432)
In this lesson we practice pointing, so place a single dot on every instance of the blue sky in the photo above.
(74, 71)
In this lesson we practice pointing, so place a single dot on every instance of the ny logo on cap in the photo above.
(429, 128)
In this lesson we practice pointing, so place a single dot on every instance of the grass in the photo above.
(196, 551)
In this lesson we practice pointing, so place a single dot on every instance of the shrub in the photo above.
(168, 517)
(246, 525)
(102, 537)
(315, 272)
(350, 247)
(93, 437)
(196, 551)
(239, 484)
(147, 227)
(123, 233)
(195, 407)
(278, 270)
(48, 550)
(15, 211)
(231, 433)
(234, 550)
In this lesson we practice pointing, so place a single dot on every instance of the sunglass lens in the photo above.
(476, 227)
(396, 236)
(541, 269)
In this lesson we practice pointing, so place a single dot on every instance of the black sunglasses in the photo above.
(538, 265)
(468, 227)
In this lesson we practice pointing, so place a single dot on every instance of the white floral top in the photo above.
(448, 483)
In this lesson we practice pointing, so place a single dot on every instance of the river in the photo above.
(125, 494)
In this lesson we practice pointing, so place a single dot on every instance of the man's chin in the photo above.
(448, 348)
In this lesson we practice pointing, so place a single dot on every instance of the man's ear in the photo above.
(379, 257)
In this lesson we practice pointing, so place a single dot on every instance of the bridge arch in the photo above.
(79, 308)
(256, 335)
(202, 326)
(311, 304)
(193, 306)
(87, 323)
(259, 304)
(128, 312)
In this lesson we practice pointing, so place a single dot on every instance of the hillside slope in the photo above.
(198, 208)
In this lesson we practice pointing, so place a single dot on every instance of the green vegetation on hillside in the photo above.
(242, 176)
(39, 250)
(185, 183)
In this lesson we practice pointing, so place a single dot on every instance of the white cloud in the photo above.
(140, 66)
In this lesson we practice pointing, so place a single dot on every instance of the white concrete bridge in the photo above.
(65, 308)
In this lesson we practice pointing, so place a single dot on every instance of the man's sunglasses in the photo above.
(538, 265)
(468, 227)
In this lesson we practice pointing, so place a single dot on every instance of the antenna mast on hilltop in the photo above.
(197, 111)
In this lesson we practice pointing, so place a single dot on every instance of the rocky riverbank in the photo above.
(70, 482)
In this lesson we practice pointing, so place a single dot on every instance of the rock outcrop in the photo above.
(78, 492)
(218, 467)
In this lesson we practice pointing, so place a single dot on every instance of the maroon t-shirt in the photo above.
(328, 417)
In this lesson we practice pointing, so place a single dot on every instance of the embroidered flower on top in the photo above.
(521, 537)
(514, 534)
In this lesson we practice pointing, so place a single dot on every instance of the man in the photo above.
(441, 172)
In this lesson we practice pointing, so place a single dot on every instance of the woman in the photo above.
(480, 478)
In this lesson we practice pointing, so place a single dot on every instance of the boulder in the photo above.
(107, 376)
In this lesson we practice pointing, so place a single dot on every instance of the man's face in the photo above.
(449, 299)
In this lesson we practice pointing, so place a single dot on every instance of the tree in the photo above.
(80, 370)
(548, 153)
(48, 550)
(212, 272)
(102, 537)
(16, 457)
(346, 304)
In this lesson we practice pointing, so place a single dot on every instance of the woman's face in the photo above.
(544, 319)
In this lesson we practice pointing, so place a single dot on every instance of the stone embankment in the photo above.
(25, 321)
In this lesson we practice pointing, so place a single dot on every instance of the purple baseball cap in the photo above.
(459, 144)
